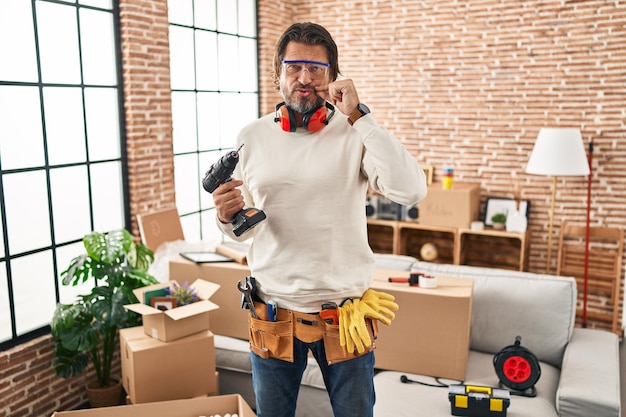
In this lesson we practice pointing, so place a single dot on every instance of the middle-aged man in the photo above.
(308, 167)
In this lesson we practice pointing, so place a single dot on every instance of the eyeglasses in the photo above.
(315, 69)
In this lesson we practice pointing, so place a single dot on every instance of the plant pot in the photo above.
(498, 226)
(104, 397)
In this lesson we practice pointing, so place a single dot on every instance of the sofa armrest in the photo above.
(590, 380)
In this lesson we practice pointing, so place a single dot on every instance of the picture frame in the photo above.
(150, 294)
(163, 303)
(495, 205)
(428, 170)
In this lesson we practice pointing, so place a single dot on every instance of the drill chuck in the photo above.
(220, 171)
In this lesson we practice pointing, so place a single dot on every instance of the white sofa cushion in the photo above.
(397, 399)
(539, 308)
(394, 262)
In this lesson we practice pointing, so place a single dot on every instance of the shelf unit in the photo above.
(381, 235)
(493, 249)
(412, 236)
(485, 248)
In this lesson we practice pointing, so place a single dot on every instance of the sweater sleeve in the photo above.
(391, 170)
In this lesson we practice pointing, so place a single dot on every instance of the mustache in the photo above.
(304, 87)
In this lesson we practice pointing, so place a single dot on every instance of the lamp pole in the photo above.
(550, 226)
(587, 230)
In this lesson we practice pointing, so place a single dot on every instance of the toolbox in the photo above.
(478, 401)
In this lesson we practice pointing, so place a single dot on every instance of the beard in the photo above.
(300, 104)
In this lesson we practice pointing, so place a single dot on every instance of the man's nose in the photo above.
(304, 76)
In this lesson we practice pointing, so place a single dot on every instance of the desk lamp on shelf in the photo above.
(558, 152)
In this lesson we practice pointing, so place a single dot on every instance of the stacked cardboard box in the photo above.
(456, 207)
(172, 356)
(153, 370)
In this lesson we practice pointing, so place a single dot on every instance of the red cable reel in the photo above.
(517, 368)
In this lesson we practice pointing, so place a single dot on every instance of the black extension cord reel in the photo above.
(518, 369)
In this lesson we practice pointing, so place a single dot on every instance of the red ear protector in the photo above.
(517, 368)
(313, 121)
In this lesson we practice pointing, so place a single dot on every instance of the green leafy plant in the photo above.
(88, 329)
(498, 218)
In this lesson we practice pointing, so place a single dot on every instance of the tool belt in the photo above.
(274, 339)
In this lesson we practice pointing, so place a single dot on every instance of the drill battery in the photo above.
(478, 401)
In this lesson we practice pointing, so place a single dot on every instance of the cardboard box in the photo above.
(160, 226)
(205, 406)
(431, 332)
(457, 207)
(159, 371)
(230, 319)
(178, 322)
(128, 401)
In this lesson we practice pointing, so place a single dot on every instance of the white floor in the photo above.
(622, 364)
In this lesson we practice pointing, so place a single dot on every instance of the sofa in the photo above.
(579, 367)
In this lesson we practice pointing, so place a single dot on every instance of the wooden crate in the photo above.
(413, 237)
(381, 235)
(492, 250)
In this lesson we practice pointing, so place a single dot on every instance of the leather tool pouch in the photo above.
(275, 338)
(272, 338)
(336, 353)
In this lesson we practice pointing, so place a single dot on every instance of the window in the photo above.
(60, 150)
(214, 78)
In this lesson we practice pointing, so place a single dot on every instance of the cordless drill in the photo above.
(219, 173)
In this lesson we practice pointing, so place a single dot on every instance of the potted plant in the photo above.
(498, 220)
(184, 293)
(88, 329)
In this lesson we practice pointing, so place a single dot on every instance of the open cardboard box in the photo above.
(194, 407)
(178, 322)
(230, 319)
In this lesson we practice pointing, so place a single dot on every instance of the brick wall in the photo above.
(466, 84)
(147, 99)
(469, 85)
(29, 386)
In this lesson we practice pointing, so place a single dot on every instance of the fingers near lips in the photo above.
(322, 91)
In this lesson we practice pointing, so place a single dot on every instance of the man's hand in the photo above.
(341, 94)
(228, 200)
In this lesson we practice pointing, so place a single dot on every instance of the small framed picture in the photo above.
(505, 206)
(163, 303)
(428, 170)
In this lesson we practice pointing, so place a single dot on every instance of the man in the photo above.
(308, 168)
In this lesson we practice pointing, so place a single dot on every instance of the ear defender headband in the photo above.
(313, 121)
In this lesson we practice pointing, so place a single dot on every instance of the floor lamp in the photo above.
(558, 152)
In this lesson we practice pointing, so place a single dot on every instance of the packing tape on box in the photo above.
(427, 281)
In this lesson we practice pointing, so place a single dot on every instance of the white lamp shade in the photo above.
(558, 152)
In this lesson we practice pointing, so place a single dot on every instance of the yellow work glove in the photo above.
(344, 333)
(378, 305)
(352, 330)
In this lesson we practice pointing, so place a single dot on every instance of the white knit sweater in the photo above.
(313, 245)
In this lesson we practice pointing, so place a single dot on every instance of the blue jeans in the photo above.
(350, 384)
